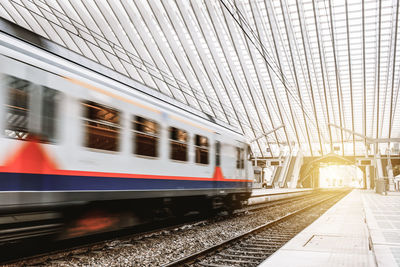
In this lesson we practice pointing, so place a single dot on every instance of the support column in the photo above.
(371, 177)
(315, 179)
(365, 176)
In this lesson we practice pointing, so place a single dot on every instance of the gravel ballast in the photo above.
(166, 246)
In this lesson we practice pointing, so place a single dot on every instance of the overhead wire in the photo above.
(279, 73)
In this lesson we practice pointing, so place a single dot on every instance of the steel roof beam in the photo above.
(239, 74)
(351, 81)
(124, 41)
(364, 77)
(190, 55)
(216, 26)
(211, 47)
(123, 20)
(249, 82)
(393, 72)
(255, 12)
(149, 50)
(310, 57)
(273, 85)
(183, 65)
(378, 74)
(322, 71)
(209, 72)
(269, 8)
(260, 85)
(289, 40)
(338, 85)
(166, 58)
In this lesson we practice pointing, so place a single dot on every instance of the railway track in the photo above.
(254, 246)
(14, 227)
(77, 249)
(81, 245)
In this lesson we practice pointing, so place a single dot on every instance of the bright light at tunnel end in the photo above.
(331, 176)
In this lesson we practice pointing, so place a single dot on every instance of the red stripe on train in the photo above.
(32, 158)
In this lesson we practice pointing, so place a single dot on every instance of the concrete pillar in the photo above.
(262, 176)
(371, 177)
(365, 176)
(390, 175)
(315, 177)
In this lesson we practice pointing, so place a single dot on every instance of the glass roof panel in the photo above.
(256, 65)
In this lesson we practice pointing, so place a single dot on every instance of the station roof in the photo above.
(256, 65)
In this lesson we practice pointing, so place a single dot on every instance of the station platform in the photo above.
(363, 229)
(266, 195)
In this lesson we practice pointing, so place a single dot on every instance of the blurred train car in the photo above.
(87, 143)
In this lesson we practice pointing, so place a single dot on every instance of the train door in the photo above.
(249, 165)
(217, 169)
(3, 95)
(17, 108)
(240, 166)
(30, 115)
(217, 154)
(30, 111)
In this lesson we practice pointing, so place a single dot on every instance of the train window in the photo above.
(239, 158)
(178, 142)
(217, 154)
(242, 158)
(49, 113)
(146, 134)
(201, 146)
(31, 111)
(17, 108)
(102, 126)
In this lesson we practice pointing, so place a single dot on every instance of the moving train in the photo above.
(91, 144)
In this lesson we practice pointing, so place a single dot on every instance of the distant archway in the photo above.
(333, 175)
(309, 170)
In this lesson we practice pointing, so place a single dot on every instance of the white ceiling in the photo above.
(253, 64)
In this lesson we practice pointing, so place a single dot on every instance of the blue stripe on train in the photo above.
(44, 182)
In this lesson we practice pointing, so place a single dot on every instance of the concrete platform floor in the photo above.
(341, 236)
(382, 214)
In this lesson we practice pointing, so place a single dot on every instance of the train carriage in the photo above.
(74, 136)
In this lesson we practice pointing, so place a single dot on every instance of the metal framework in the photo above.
(252, 64)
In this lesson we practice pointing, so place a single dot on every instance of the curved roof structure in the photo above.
(319, 75)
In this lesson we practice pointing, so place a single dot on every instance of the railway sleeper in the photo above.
(233, 261)
(214, 265)
(271, 249)
(275, 235)
(255, 245)
(284, 240)
(247, 252)
(241, 256)
(270, 239)
(267, 244)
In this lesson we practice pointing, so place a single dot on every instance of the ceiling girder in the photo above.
(252, 64)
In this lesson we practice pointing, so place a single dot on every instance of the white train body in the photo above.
(66, 167)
